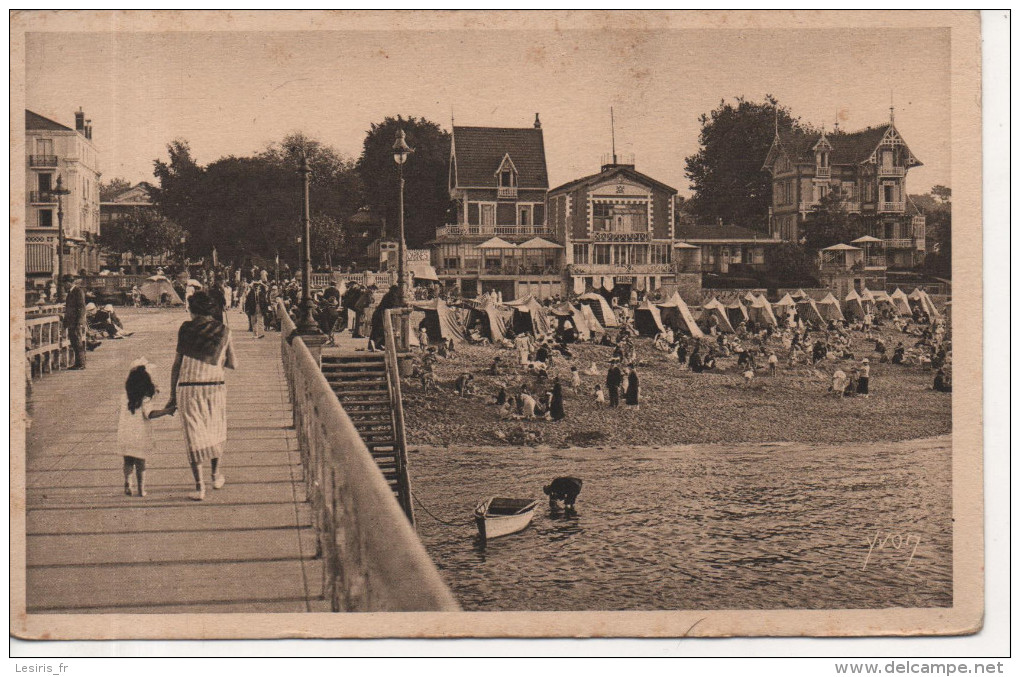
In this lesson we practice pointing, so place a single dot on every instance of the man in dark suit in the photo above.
(614, 379)
(74, 319)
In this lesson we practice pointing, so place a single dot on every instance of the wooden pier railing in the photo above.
(373, 560)
(46, 345)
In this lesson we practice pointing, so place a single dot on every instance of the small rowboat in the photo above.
(498, 516)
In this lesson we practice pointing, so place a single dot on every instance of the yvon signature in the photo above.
(900, 542)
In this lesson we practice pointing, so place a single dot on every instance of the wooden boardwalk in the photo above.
(248, 547)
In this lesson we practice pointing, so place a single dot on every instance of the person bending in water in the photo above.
(563, 489)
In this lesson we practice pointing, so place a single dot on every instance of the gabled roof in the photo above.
(609, 172)
(848, 148)
(478, 152)
(37, 122)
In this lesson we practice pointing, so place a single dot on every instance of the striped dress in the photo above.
(203, 408)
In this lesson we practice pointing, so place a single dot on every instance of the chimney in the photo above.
(79, 121)
(88, 129)
(538, 123)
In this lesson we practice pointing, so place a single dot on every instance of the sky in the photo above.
(234, 93)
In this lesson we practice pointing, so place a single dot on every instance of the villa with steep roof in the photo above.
(867, 169)
(500, 241)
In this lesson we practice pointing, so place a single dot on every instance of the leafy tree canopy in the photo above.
(937, 207)
(143, 232)
(252, 207)
(790, 264)
(112, 188)
(726, 173)
(426, 194)
(829, 224)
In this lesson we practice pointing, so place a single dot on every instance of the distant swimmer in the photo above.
(563, 489)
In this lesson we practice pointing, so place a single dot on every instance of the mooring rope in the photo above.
(430, 514)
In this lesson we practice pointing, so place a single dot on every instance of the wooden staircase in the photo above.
(368, 387)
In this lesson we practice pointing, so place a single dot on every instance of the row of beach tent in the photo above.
(592, 314)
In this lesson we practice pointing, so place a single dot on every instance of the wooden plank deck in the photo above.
(248, 547)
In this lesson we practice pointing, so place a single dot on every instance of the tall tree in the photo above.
(426, 194)
(937, 207)
(726, 173)
(250, 208)
(179, 182)
(112, 188)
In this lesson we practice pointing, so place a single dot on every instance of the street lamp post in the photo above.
(306, 325)
(60, 192)
(400, 152)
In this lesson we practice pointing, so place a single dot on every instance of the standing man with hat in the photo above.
(75, 319)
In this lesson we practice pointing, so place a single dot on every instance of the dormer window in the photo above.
(506, 178)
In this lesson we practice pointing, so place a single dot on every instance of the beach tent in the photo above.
(487, 319)
(594, 326)
(808, 311)
(852, 306)
(565, 312)
(717, 310)
(867, 299)
(882, 299)
(761, 311)
(675, 314)
(900, 302)
(648, 319)
(440, 321)
(736, 312)
(603, 311)
(158, 286)
(749, 298)
(786, 302)
(529, 317)
(921, 297)
(784, 307)
(829, 308)
(799, 295)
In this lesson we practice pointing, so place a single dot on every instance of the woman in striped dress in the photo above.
(198, 389)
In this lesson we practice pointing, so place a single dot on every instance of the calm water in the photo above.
(699, 527)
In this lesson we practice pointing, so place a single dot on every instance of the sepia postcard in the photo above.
(495, 324)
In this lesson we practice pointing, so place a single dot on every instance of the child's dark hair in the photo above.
(139, 385)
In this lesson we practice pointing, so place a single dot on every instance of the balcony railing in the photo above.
(502, 271)
(892, 206)
(42, 197)
(899, 243)
(510, 230)
(621, 268)
(876, 261)
(42, 160)
(507, 192)
(823, 172)
(891, 171)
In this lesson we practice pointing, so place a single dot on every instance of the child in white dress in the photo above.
(134, 430)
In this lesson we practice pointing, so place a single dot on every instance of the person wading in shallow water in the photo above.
(197, 376)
